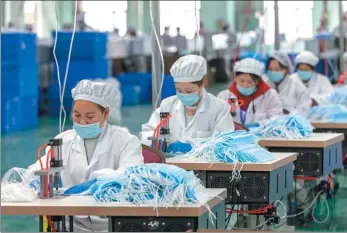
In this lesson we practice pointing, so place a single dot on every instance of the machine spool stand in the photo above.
(53, 175)
(233, 105)
(161, 140)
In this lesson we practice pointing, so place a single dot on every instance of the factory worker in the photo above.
(258, 102)
(195, 113)
(318, 86)
(93, 143)
(293, 93)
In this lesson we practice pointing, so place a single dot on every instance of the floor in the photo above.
(20, 149)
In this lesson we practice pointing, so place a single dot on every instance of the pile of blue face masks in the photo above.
(231, 147)
(157, 184)
(328, 113)
(291, 126)
(339, 96)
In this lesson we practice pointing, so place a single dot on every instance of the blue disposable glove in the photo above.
(254, 125)
(179, 147)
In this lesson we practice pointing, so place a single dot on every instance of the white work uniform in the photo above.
(319, 87)
(293, 94)
(212, 115)
(115, 148)
(265, 106)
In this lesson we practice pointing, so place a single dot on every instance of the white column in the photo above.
(47, 18)
(139, 16)
(16, 13)
(3, 13)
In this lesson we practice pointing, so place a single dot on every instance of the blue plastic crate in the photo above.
(86, 45)
(53, 91)
(320, 68)
(20, 81)
(131, 95)
(254, 55)
(10, 115)
(19, 113)
(169, 88)
(80, 69)
(18, 47)
(29, 111)
(142, 80)
(54, 106)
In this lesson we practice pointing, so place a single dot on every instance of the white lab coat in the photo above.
(293, 94)
(212, 115)
(115, 148)
(265, 106)
(319, 87)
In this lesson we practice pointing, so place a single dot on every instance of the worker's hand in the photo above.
(179, 147)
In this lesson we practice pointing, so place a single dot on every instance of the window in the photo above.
(295, 20)
(30, 11)
(180, 14)
(106, 15)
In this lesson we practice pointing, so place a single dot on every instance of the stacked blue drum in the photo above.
(88, 61)
(19, 82)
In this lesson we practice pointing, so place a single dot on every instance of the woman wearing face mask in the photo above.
(93, 143)
(318, 86)
(195, 113)
(292, 92)
(258, 102)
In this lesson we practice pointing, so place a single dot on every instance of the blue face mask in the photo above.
(87, 131)
(275, 76)
(246, 91)
(189, 100)
(305, 75)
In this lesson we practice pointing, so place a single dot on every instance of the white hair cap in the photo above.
(283, 59)
(306, 57)
(104, 94)
(249, 66)
(189, 68)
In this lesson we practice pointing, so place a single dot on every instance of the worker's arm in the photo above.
(303, 99)
(224, 95)
(224, 121)
(131, 153)
(274, 106)
(149, 127)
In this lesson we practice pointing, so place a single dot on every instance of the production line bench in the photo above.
(261, 183)
(318, 155)
(123, 217)
(326, 127)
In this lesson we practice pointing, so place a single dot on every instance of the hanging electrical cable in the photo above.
(161, 57)
(62, 89)
(245, 22)
(321, 42)
(197, 29)
(260, 42)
